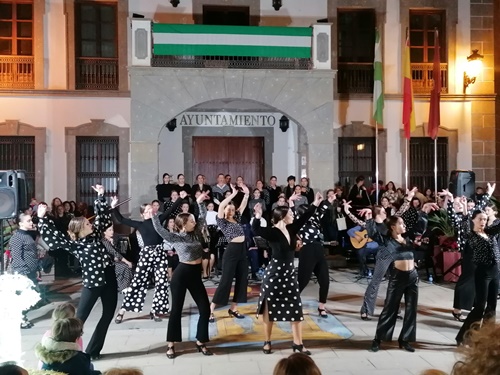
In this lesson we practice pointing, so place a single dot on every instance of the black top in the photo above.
(353, 196)
(281, 249)
(164, 191)
(311, 231)
(89, 250)
(148, 233)
(185, 187)
(274, 193)
(309, 194)
(201, 188)
(24, 252)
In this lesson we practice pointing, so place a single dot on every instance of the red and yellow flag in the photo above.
(408, 107)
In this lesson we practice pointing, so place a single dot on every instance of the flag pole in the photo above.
(376, 163)
(406, 163)
(435, 167)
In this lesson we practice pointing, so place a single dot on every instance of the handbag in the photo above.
(341, 223)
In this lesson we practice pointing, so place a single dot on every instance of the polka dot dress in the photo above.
(280, 291)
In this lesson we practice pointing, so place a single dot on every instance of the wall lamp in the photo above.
(474, 66)
(284, 123)
(171, 125)
(277, 4)
(174, 3)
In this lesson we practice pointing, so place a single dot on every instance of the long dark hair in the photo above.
(279, 214)
(390, 222)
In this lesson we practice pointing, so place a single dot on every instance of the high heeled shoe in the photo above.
(170, 355)
(154, 317)
(322, 313)
(375, 345)
(235, 313)
(211, 319)
(406, 346)
(300, 349)
(203, 349)
(458, 317)
(119, 318)
(365, 317)
(267, 351)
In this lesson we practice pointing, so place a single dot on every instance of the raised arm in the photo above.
(166, 214)
(50, 234)
(244, 202)
(299, 222)
(118, 216)
(102, 215)
(354, 219)
(225, 202)
(485, 199)
(265, 232)
(406, 202)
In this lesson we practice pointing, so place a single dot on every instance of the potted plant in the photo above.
(441, 223)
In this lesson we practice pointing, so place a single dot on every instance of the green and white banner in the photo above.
(212, 40)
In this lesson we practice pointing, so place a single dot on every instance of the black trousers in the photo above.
(188, 277)
(486, 285)
(312, 260)
(465, 288)
(234, 265)
(401, 283)
(109, 297)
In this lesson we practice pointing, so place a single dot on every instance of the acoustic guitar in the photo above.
(364, 239)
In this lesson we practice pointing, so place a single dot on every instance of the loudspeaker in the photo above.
(8, 194)
(22, 190)
(462, 183)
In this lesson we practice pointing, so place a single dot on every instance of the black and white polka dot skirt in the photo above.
(280, 292)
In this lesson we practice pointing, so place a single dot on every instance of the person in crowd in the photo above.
(155, 206)
(182, 185)
(391, 193)
(358, 194)
(256, 198)
(302, 196)
(209, 256)
(123, 267)
(281, 202)
(485, 256)
(164, 189)
(480, 355)
(479, 194)
(471, 205)
(227, 178)
(411, 215)
(290, 186)
(68, 209)
(172, 257)
(329, 220)
(185, 207)
(200, 185)
(429, 195)
(24, 254)
(98, 281)
(403, 280)
(280, 284)
(365, 247)
(312, 255)
(12, 369)
(53, 206)
(381, 190)
(187, 275)
(234, 261)
(306, 190)
(387, 206)
(274, 191)
(264, 194)
(219, 189)
(61, 219)
(61, 351)
(296, 364)
(152, 259)
(173, 201)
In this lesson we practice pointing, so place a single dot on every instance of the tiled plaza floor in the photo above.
(140, 342)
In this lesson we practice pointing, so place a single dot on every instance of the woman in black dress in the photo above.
(279, 299)
(123, 268)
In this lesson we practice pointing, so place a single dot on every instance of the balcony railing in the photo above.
(357, 78)
(423, 83)
(96, 73)
(16, 72)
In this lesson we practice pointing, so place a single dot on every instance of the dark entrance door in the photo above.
(237, 156)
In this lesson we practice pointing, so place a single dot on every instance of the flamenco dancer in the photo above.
(384, 257)
(481, 243)
(403, 280)
(187, 275)
(234, 260)
(279, 299)
(152, 258)
(123, 268)
(463, 298)
(312, 256)
(99, 280)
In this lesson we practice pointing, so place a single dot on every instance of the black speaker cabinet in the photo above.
(8, 194)
(22, 190)
(462, 183)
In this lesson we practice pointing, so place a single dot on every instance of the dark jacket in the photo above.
(64, 357)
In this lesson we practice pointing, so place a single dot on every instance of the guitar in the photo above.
(362, 241)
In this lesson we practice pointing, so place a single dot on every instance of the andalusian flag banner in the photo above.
(378, 93)
(408, 107)
(213, 40)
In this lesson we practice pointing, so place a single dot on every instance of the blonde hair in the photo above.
(296, 364)
(480, 354)
(75, 226)
(181, 220)
(67, 330)
(63, 311)
(123, 371)
(433, 372)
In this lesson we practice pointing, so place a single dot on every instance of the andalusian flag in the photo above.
(378, 92)
(408, 107)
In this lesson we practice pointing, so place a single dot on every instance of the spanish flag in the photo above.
(408, 107)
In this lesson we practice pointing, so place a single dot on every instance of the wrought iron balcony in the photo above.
(423, 83)
(96, 73)
(16, 72)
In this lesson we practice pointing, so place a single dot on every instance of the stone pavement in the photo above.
(140, 342)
